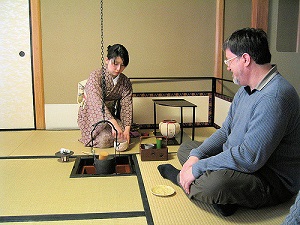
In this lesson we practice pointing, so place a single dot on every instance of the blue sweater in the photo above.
(293, 218)
(261, 128)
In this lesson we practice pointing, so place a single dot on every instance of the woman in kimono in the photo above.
(117, 104)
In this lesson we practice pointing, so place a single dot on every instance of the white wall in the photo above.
(143, 110)
(221, 110)
(61, 116)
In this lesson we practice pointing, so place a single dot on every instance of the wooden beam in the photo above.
(260, 14)
(218, 67)
(38, 81)
(298, 35)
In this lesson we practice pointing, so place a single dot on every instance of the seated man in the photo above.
(254, 159)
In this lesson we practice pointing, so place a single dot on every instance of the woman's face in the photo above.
(115, 66)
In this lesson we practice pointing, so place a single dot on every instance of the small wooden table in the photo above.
(176, 103)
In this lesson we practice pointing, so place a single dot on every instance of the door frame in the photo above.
(37, 62)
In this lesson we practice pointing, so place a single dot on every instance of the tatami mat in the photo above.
(43, 186)
(47, 142)
(11, 140)
(40, 187)
(178, 209)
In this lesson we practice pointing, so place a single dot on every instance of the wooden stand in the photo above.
(153, 154)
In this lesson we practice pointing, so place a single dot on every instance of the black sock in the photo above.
(226, 210)
(169, 172)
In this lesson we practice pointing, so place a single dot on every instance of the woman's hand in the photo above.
(126, 134)
(121, 135)
(118, 128)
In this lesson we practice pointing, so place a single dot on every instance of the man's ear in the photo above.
(247, 58)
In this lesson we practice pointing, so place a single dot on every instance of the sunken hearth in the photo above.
(114, 165)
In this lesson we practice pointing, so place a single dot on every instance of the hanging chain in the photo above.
(102, 36)
(103, 85)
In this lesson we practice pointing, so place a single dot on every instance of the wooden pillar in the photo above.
(218, 68)
(259, 19)
(260, 14)
(38, 81)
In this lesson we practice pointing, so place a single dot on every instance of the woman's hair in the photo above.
(117, 50)
(251, 41)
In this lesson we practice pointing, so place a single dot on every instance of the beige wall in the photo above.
(237, 16)
(70, 37)
(164, 39)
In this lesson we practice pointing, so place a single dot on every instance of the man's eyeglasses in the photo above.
(227, 62)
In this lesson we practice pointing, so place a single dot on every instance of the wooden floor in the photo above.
(35, 187)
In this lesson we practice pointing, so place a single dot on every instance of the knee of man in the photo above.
(215, 182)
(185, 149)
(189, 145)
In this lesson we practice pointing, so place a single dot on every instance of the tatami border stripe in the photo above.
(143, 192)
(61, 217)
(32, 157)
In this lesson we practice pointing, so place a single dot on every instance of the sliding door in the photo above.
(16, 101)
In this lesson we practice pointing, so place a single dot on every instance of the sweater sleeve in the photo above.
(251, 140)
(214, 144)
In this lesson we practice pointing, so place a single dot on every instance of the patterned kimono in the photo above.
(118, 96)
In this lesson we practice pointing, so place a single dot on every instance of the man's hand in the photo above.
(186, 178)
(191, 161)
(186, 175)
